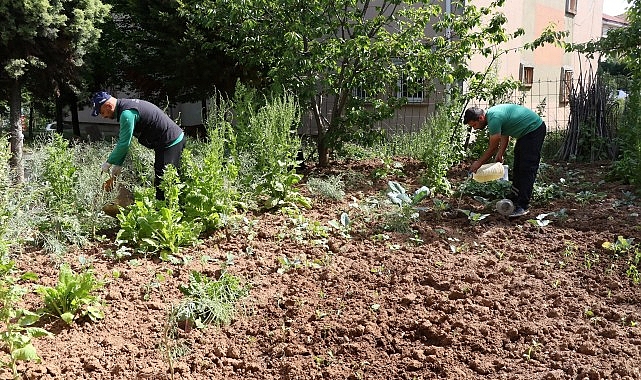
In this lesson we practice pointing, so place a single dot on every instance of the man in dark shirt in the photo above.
(149, 124)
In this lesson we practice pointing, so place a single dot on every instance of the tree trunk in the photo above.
(59, 118)
(16, 138)
(322, 127)
(31, 119)
(73, 106)
(323, 151)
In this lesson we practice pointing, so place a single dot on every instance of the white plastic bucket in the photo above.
(490, 172)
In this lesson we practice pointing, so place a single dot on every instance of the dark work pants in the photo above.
(527, 156)
(163, 158)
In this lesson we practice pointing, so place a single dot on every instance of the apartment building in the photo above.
(547, 74)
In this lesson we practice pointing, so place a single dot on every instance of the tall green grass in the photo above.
(439, 144)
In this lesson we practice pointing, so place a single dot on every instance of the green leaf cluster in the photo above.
(268, 134)
(60, 222)
(210, 301)
(208, 192)
(157, 226)
(400, 197)
(17, 333)
(354, 53)
(73, 296)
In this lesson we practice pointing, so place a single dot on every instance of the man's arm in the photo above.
(495, 141)
(505, 140)
(119, 153)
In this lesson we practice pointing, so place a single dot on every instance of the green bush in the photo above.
(208, 301)
(628, 165)
(154, 226)
(331, 187)
(438, 144)
(209, 172)
(269, 134)
(16, 331)
(73, 296)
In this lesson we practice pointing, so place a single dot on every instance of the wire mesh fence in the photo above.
(554, 100)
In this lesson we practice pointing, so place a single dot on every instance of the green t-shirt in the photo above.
(512, 120)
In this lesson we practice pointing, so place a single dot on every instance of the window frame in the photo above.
(526, 75)
(566, 85)
(403, 92)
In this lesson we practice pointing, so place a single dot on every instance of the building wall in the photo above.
(548, 62)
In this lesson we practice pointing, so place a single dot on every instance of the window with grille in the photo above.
(566, 85)
(570, 6)
(412, 89)
(526, 75)
(359, 93)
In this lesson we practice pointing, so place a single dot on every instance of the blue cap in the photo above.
(98, 99)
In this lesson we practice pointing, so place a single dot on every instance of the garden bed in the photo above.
(449, 298)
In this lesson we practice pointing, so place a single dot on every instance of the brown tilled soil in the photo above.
(501, 299)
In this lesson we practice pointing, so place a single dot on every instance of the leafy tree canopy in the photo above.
(150, 48)
(42, 45)
(330, 48)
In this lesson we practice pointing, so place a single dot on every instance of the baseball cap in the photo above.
(98, 99)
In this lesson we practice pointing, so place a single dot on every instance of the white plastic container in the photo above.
(505, 207)
(490, 172)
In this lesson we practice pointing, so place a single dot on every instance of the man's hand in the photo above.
(105, 167)
(116, 170)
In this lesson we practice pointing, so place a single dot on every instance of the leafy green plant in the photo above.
(157, 226)
(59, 224)
(590, 258)
(208, 301)
(17, 332)
(490, 190)
(73, 296)
(399, 196)
(268, 134)
(435, 145)
(5, 199)
(342, 225)
(474, 217)
(208, 191)
(586, 196)
(287, 264)
(622, 247)
(540, 221)
(404, 210)
(532, 350)
(389, 168)
(570, 249)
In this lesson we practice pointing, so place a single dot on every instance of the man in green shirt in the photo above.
(512, 120)
(149, 124)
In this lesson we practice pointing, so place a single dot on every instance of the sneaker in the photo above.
(520, 211)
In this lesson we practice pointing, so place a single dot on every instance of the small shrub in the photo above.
(73, 296)
(491, 190)
(209, 302)
(16, 334)
(436, 146)
(157, 226)
(331, 187)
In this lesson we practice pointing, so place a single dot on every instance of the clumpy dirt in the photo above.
(500, 299)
